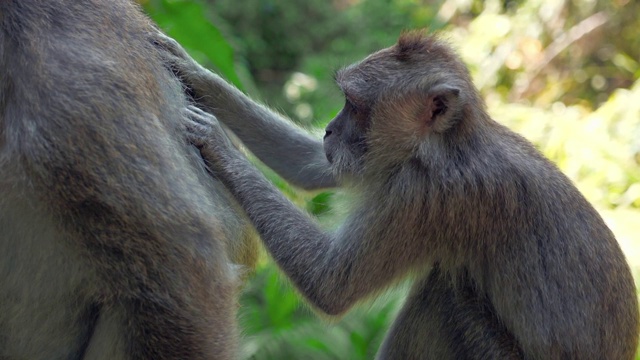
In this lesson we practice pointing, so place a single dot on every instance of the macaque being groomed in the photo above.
(510, 260)
(114, 241)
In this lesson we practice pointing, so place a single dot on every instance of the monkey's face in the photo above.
(398, 100)
(344, 141)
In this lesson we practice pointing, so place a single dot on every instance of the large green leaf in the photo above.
(187, 22)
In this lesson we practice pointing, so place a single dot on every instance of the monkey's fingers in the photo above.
(168, 44)
(202, 117)
(174, 57)
(202, 128)
(205, 132)
(199, 135)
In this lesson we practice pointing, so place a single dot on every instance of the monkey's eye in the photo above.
(351, 106)
(359, 112)
(354, 104)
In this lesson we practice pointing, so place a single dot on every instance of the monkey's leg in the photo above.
(482, 336)
(440, 323)
(424, 325)
(107, 340)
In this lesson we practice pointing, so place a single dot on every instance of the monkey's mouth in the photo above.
(327, 150)
(329, 157)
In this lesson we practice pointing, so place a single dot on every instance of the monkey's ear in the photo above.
(441, 107)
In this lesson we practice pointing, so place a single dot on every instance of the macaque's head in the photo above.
(397, 99)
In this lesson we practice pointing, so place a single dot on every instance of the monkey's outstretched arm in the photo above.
(332, 270)
(275, 140)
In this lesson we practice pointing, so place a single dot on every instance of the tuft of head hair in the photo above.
(414, 42)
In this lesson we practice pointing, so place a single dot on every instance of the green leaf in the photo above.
(186, 21)
(320, 204)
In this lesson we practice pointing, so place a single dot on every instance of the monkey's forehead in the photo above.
(369, 72)
(367, 80)
(378, 60)
(357, 83)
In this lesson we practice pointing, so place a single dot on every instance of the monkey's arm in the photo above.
(292, 152)
(333, 271)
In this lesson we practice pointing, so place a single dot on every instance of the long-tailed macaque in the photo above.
(114, 242)
(510, 260)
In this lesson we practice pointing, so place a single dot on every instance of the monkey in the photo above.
(115, 243)
(508, 259)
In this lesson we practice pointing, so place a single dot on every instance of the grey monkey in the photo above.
(510, 261)
(114, 241)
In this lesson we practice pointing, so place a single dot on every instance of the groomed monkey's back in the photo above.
(82, 91)
(91, 66)
(97, 51)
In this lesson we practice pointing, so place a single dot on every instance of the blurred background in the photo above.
(563, 73)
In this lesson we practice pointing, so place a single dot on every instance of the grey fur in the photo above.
(114, 242)
(512, 262)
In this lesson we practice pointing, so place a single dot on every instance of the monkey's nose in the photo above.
(327, 133)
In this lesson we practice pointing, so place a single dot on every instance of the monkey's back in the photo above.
(534, 272)
(91, 150)
(556, 275)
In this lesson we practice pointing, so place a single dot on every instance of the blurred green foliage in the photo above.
(189, 24)
(564, 73)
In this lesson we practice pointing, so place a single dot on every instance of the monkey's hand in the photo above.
(293, 153)
(200, 81)
(205, 132)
